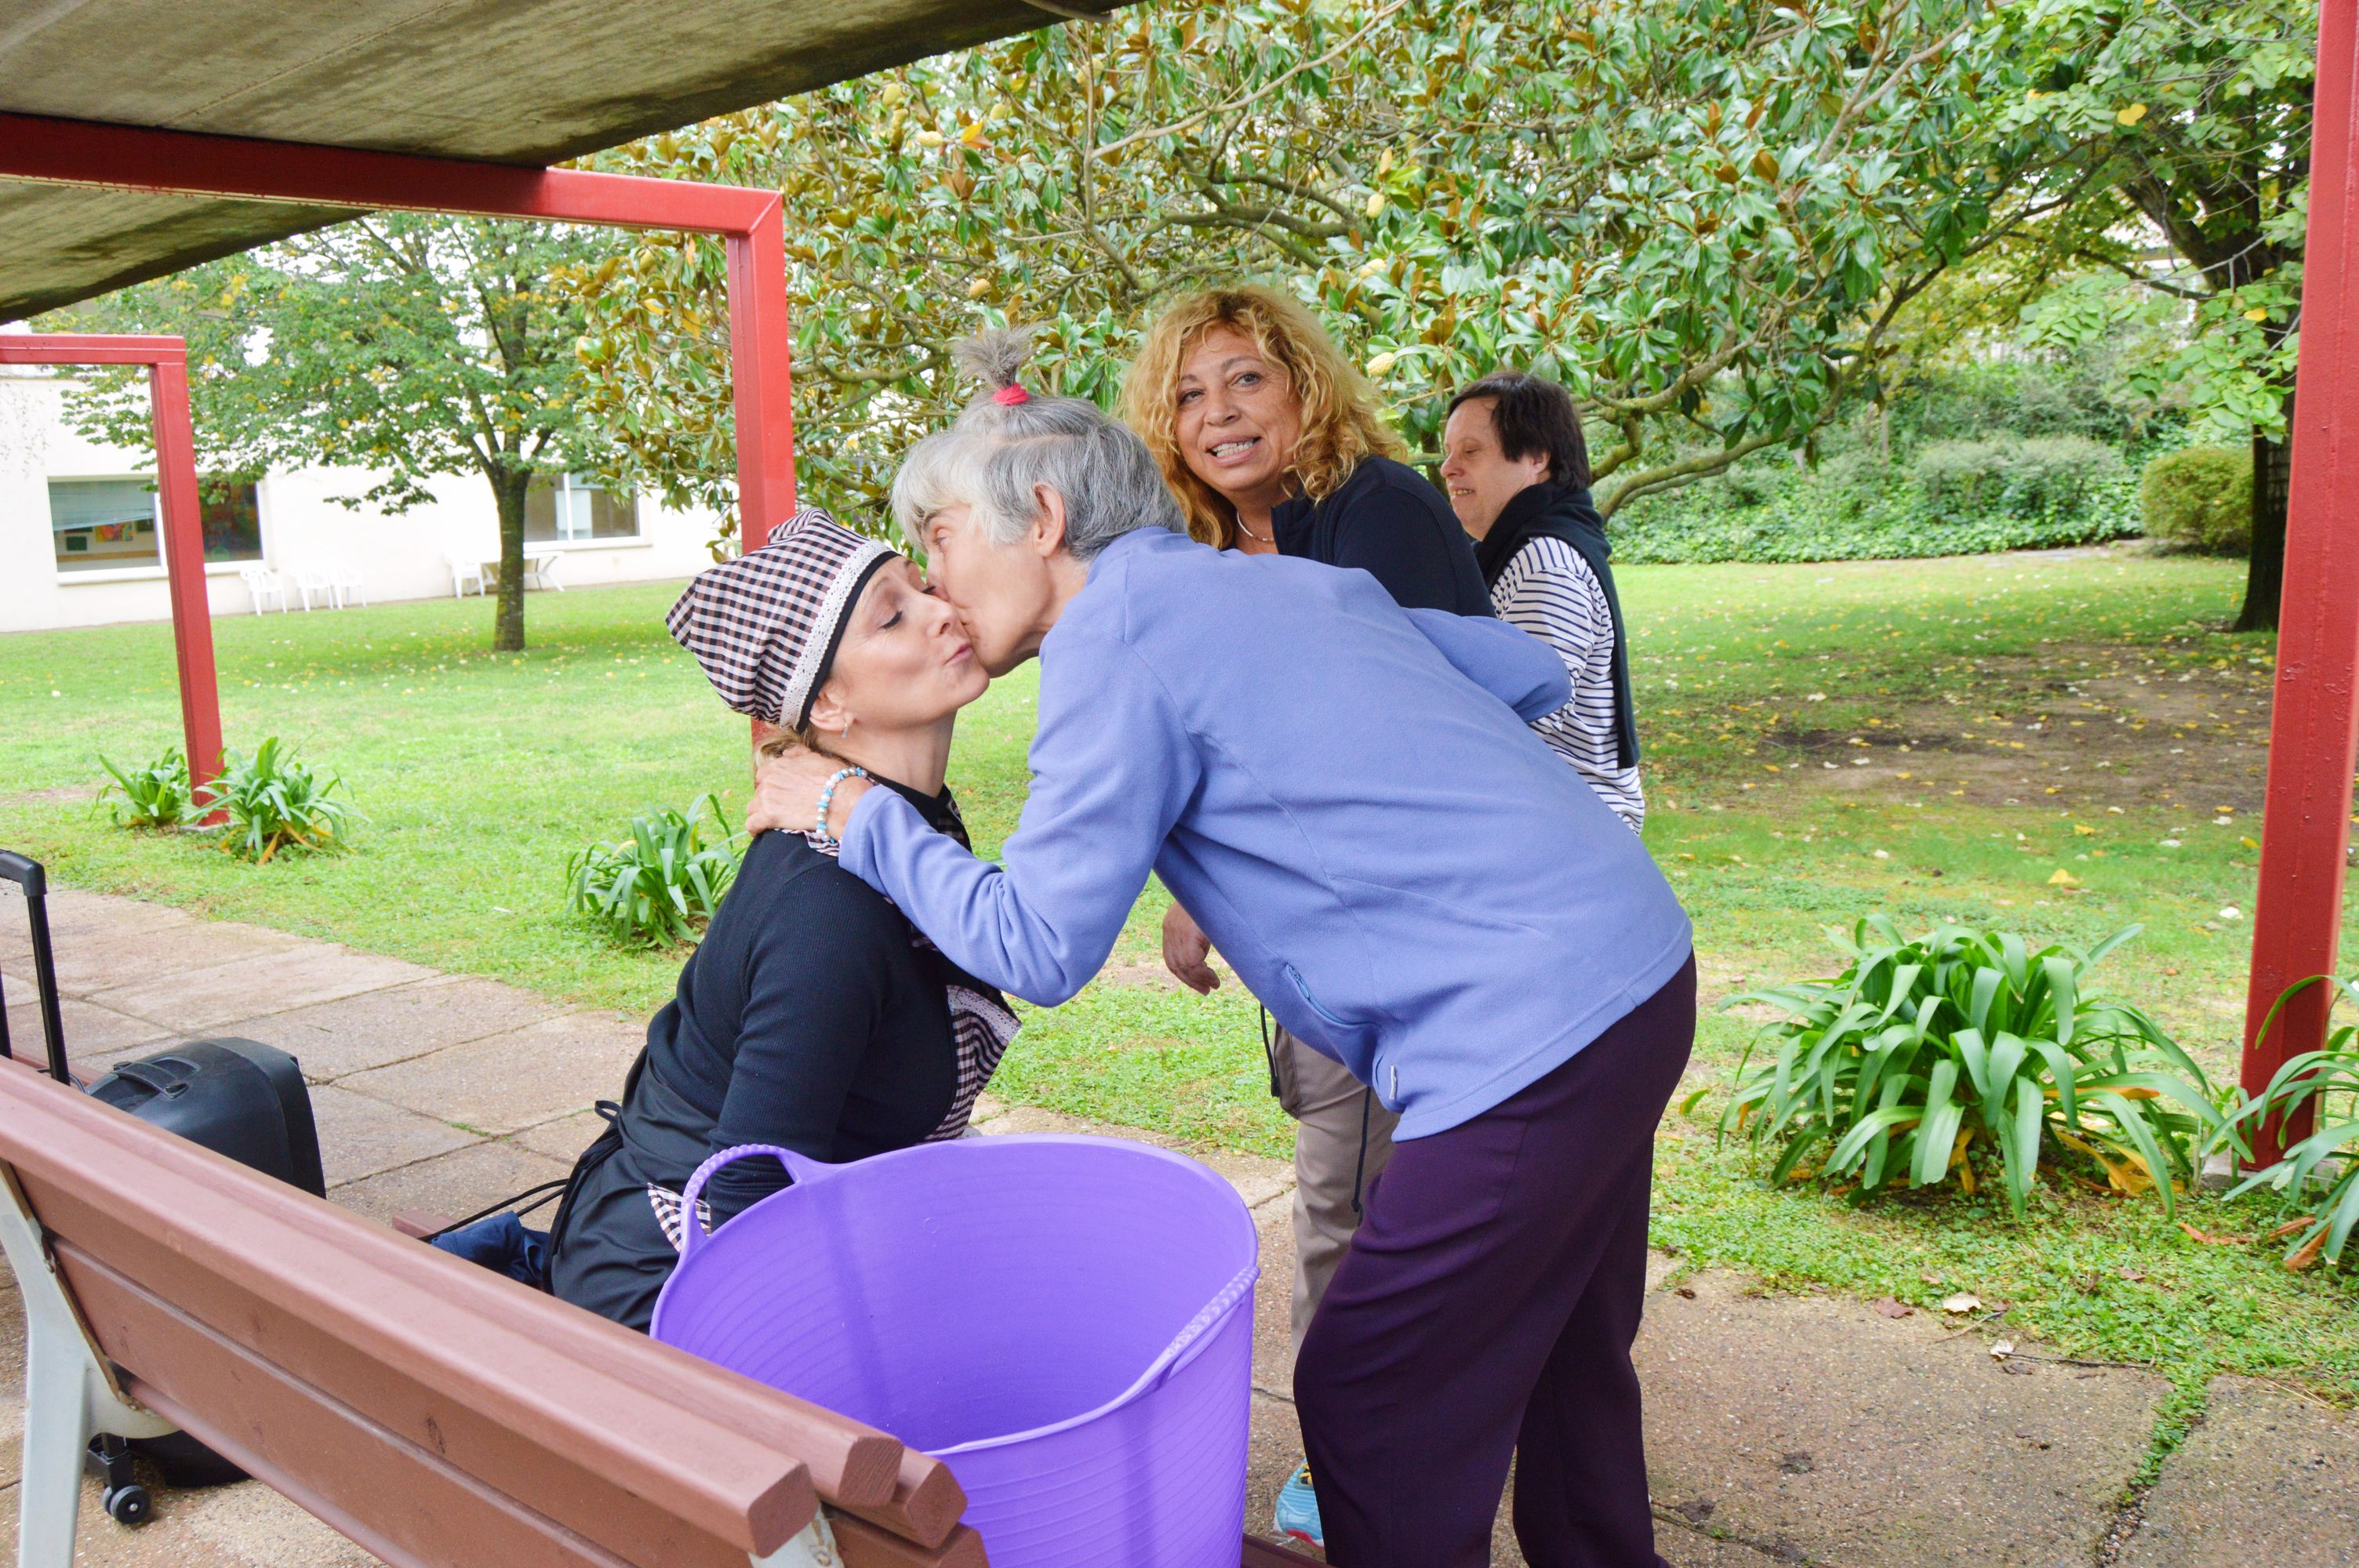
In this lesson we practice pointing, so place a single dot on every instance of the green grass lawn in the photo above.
(2062, 742)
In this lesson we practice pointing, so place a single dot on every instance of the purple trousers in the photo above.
(1486, 1308)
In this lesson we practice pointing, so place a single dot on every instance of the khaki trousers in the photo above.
(1329, 1107)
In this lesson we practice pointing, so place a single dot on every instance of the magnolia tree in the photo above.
(2189, 127)
(1704, 217)
(402, 345)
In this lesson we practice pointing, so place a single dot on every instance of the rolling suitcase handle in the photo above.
(28, 875)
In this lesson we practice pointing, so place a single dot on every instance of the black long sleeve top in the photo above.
(1386, 519)
(811, 1016)
(808, 1018)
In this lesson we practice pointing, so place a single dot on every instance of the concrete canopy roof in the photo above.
(524, 82)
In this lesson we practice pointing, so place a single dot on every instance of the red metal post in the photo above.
(181, 516)
(2314, 729)
(183, 534)
(759, 356)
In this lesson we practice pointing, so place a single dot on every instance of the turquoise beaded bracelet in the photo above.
(827, 798)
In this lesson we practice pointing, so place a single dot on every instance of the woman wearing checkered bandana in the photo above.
(1348, 797)
(813, 1015)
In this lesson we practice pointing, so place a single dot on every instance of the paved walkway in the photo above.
(1780, 1430)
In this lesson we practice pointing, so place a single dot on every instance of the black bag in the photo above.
(238, 1098)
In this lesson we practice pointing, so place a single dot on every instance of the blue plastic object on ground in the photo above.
(1065, 1321)
(1297, 1510)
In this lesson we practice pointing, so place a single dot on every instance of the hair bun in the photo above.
(995, 357)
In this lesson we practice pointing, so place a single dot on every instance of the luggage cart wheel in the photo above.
(128, 1505)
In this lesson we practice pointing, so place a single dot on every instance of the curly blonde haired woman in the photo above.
(1273, 444)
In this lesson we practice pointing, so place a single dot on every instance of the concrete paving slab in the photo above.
(79, 920)
(104, 960)
(515, 1079)
(451, 1185)
(378, 1028)
(12, 1381)
(249, 983)
(2269, 1477)
(361, 1136)
(244, 1526)
(1815, 1426)
(1274, 1299)
(565, 1138)
(91, 1030)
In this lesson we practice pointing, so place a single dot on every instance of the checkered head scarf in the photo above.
(765, 626)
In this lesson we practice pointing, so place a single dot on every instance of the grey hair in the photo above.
(997, 453)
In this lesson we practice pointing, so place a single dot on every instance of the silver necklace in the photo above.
(1246, 529)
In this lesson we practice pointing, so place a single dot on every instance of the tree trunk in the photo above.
(508, 487)
(2265, 575)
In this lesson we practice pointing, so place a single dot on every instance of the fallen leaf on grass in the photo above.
(2290, 1225)
(1963, 1301)
(2309, 1253)
(2133, 1275)
(1891, 1308)
(2215, 1241)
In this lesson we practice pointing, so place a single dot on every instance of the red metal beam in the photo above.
(184, 163)
(167, 360)
(2314, 730)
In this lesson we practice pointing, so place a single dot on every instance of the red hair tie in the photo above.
(1009, 397)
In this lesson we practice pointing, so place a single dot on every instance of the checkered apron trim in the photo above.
(665, 1203)
(981, 1028)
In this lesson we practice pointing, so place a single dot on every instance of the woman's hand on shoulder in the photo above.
(786, 788)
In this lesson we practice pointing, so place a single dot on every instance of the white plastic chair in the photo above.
(462, 572)
(541, 571)
(262, 583)
(345, 580)
(309, 581)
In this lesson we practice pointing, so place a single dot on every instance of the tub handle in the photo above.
(1191, 1342)
(1192, 1339)
(801, 1167)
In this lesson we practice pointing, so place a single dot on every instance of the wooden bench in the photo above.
(432, 1410)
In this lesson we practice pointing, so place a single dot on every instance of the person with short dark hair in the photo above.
(1517, 470)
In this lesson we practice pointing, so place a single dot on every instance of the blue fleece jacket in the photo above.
(1345, 796)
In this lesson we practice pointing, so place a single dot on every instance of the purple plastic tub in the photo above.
(1067, 1322)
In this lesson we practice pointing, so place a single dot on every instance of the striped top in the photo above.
(1550, 591)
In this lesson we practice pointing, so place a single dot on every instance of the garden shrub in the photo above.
(2318, 1179)
(662, 882)
(1881, 516)
(274, 803)
(2199, 498)
(2048, 476)
(1928, 1054)
(156, 795)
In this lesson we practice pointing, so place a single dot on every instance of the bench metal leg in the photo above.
(812, 1547)
(70, 1394)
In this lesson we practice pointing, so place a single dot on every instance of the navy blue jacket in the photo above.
(1388, 521)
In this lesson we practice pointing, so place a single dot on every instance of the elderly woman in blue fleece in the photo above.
(1346, 796)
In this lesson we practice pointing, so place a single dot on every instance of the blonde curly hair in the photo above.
(1341, 426)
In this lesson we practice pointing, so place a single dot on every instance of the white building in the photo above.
(79, 544)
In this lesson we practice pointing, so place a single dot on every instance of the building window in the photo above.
(572, 510)
(101, 524)
(107, 525)
(231, 511)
